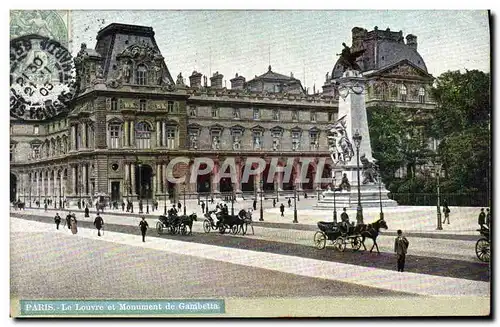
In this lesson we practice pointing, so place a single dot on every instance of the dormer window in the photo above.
(421, 95)
(403, 91)
(141, 76)
(36, 129)
(170, 107)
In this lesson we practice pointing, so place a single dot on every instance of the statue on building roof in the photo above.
(180, 79)
(348, 59)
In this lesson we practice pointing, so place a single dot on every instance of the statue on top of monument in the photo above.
(348, 59)
(341, 150)
(369, 171)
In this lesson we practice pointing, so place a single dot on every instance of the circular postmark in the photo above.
(42, 78)
(48, 23)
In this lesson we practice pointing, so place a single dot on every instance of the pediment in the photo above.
(403, 68)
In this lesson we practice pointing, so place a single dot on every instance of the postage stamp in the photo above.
(258, 163)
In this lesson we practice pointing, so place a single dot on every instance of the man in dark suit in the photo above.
(98, 223)
(282, 209)
(401, 247)
(254, 204)
(481, 219)
(143, 225)
(57, 220)
(68, 219)
(289, 202)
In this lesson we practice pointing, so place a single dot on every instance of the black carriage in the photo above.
(339, 234)
(171, 223)
(233, 223)
(483, 245)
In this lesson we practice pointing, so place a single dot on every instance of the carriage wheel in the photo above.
(320, 240)
(222, 229)
(159, 228)
(244, 229)
(206, 226)
(235, 229)
(183, 230)
(483, 250)
(339, 244)
(356, 243)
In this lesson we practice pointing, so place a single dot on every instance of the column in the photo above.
(164, 133)
(132, 178)
(73, 138)
(158, 134)
(61, 184)
(297, 169)
(55, 187)
(214, 178)
(84, 135)
(164, 177)
(155, 185)
(237, 184)
(126, 184)
(279, 180)
(44, 191)
(84, 171)
(158, 178)
(132, 133)
(73, 176)
(125, 134)
(49, 190)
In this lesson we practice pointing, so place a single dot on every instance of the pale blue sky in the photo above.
(302, 42)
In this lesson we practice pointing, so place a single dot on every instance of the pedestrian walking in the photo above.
(87, 212)
(289, 202)
(57, 220)
(488, 217)
(481, 220)
(401, 247)
(202, 206)
(45, 206)
(254, 204)
(98, 223)
(74, 228)
(143, 225)
(274, 203)
(305, 195)
(68, 220)
(282, 209)
(123, 206)
(446, 212)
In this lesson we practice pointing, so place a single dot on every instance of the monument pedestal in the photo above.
(370, 198)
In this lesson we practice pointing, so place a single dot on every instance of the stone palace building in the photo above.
(132, 117)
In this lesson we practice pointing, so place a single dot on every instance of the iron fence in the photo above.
(476, 199)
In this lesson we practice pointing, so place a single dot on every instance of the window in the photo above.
(170, 107)
(215, 112)
(192, 111)
(276, 114)
(215, 139)
(256, 114)
(236, 113)
(330, 116)
(141, 75)
(237, 140)
(142, 105)
(36, 129)
(35, 151)
(276, 140)
(313, 116)
(114, 104)
(143, 135)
(193, 139)
(171, 137)
(313, 136)
(421, 95)
(257, 140)
(295, 140)
(114, 136)
(295, 115)
(402, 90)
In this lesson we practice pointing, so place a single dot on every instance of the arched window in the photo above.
(64, 144)
(143, 135)
(58, 145)
(114, 104)
(402, 92)
(421, 95)
(141, 75)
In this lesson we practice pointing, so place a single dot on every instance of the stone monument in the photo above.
(343, 150)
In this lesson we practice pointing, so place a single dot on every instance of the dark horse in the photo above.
(370, 231)
(188, 221)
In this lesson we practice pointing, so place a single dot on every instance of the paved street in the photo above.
(226, 265)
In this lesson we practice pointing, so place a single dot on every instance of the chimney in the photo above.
(195, 80)
(216, 80)
(411, 41)
(358, 35)
(238, 82)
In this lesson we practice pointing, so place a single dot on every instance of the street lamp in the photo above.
(261, 209)
(380, 193)
(295, 221)
(165, 204)
(206, 210)
(334, 202)
(438, 166)
(147, 198)
(359, 213)
(184, 195)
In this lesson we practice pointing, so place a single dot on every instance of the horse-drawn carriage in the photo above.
(233, 223)
(19, 205)
(101, 201)
(175, 224)
(342, 234)
(483, 245)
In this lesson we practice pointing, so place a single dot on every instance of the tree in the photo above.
(461, 122)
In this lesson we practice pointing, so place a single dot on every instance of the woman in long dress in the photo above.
(74, 228)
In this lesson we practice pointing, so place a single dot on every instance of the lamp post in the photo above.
(359, 213)
(380, 192)
(206, 209)
(165, 204)
(438, 165)
(261, 209)
(295, 221)
(139, 165)
(184, 195)
(147, 198)
(334, 202)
